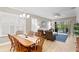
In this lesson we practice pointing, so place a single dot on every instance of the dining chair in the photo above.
(19, 32)
(40, 43)
(19, 47)
(12, 43)
(39, 34)
(38, 46)
(30, 33)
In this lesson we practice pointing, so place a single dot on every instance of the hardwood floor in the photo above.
(51, 46)
(56, 46)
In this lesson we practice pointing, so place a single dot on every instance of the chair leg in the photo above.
(29, 49)
(11, 49)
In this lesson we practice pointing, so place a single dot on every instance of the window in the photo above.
(34, 25)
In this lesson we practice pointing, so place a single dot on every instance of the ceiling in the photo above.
(47, 12)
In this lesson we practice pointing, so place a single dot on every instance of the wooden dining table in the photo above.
(25, 41)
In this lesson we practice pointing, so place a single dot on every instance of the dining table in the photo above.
(26, 41)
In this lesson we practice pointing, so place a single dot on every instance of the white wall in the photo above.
(77, 14)
(28, 25)
(10, 23)
(5, 20)
(37, 23)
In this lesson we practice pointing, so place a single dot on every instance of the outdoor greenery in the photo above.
(62, 27)
(76, 29)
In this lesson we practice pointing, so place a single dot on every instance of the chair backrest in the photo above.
(41, 32)
(18, 46)
(11, 39)
(39, 43)
(37, 47)
(30, 33)
(19, 32)
(38, 34)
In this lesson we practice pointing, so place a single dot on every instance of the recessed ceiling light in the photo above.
(24, 15)
(20, 15)
(28, 16)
